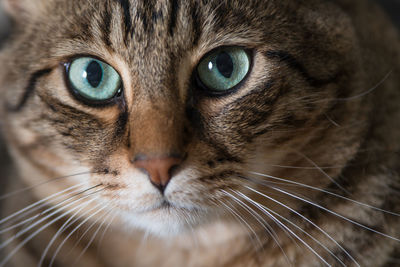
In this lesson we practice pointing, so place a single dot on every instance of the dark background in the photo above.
(393, 9)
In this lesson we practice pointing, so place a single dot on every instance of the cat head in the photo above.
(168, 107)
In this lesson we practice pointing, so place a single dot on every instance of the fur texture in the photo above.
(299, 165)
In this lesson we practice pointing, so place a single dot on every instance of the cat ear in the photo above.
(22, 10)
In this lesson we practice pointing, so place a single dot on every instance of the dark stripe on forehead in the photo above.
(175, 5)
(292, 62)
(126, 7)
(29, 89)
(195, 23)
(148, 15)
(107, 16)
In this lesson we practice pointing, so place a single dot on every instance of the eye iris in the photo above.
(223, 69)
(93, 80)
(225, 64)
(94, 74)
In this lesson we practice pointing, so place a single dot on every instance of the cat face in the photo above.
(168, 106)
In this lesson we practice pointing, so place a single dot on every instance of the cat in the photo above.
(201, 133)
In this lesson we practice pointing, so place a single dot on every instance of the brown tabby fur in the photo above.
(324, 90)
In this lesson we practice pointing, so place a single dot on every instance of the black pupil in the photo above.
(225, 64)
(94, 74)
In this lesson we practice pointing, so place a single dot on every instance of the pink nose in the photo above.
(158, 169)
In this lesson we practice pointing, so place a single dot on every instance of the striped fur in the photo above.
(314, 127)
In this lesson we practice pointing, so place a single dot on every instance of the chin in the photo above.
(166, 220)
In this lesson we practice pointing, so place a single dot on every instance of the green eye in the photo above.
(223, 69)
(93, 79)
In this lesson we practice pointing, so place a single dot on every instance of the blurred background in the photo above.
(4, 24)
(393, 9)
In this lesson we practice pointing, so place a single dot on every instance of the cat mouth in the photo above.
(164, 205)
(168, 206)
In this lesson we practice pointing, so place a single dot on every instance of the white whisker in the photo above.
(25, 230)
(336, 214)
(38, 203)
(144, 238)
(291, 232)
(14, 226)
(62, 229)
(74, 194)
(243, 222)
(251, 211)
(305, 167)
(105, 217)
(87, 230)
(71, 233)
(27, 239)
(368, 91)
(267, 227)
(322, 171)
(310, 222)
(320, 190)
(106, 229)
(263, 223)
(40, 184)
(186, 217)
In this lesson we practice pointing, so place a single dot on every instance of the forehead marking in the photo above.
(173, 17)
(126, 8)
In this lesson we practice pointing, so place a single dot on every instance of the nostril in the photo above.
(173, 169)
(159, 169)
